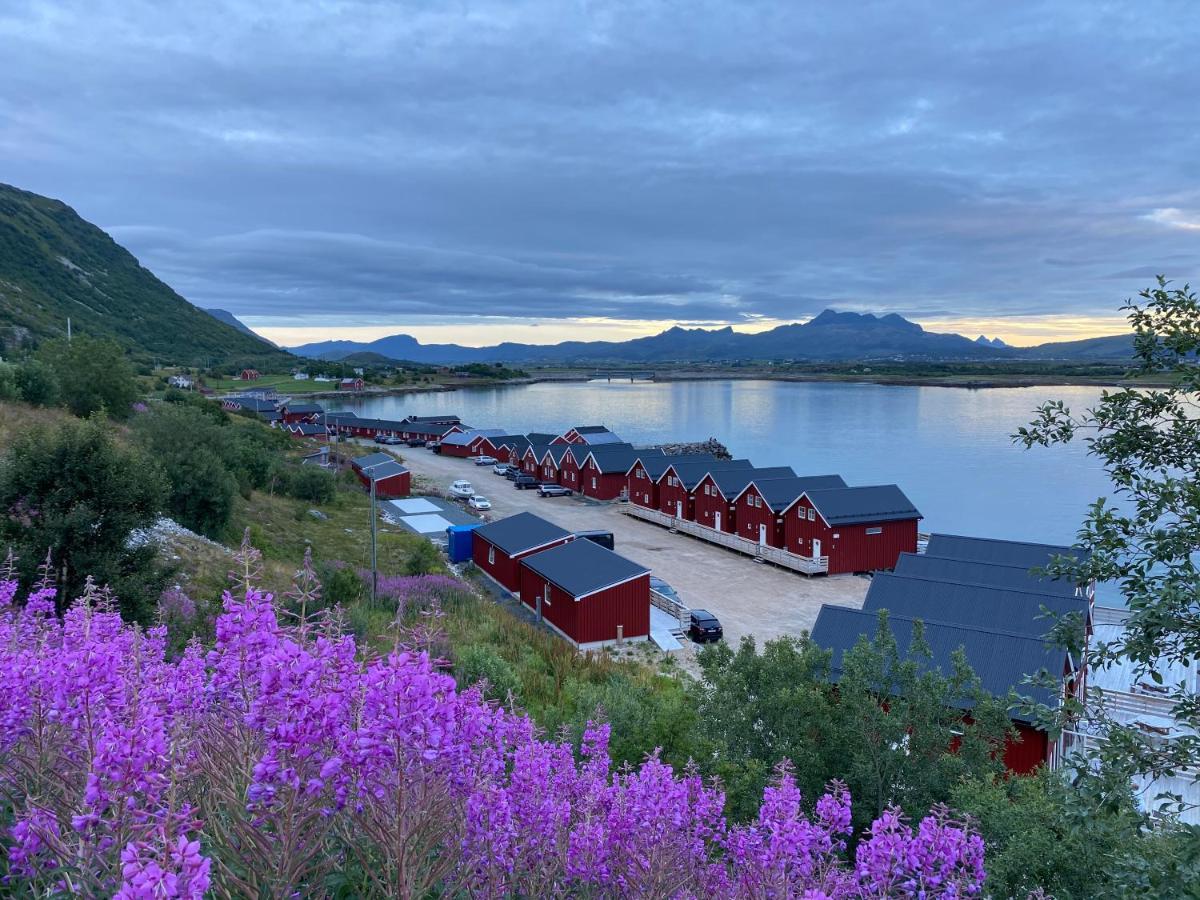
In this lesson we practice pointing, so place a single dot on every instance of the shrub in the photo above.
(310, 483)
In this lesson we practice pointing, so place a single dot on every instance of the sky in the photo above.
(554, 169)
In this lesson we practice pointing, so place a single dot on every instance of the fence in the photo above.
(803, 564)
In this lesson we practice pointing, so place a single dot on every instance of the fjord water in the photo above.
(950, 449)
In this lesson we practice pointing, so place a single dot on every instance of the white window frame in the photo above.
(875, 529)
(812, 514)
(546, 594)
(491, 556)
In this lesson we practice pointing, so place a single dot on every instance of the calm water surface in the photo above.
(949, 449)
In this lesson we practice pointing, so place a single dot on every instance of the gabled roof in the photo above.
(600, 438)
(871, 503)
(970, 605)
(433, 420)
(692, 473)
(587, 429)
(1000, 658)
(990, 550)
(509, 440)
(344, 414)
(538, 451)
(731, 482)
(521, 533)
(614, 459)
(307, 428)
(371, 459)
(556, 452)
(303, 408)
(781, 493)
(583, 567)
(580, 452)
(655, 462)
(385, 470)
(462, 438)
(255, 404)
(540, 437)
(944, 568)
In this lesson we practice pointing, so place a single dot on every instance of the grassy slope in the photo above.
(103, 289)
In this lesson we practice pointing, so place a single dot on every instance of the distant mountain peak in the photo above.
(985, 341)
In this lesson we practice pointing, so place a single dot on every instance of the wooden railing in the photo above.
(804, 564)
(673, 607)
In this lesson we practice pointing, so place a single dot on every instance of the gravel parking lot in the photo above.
(749, 598)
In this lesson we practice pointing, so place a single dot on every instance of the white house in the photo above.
(300, 376)
(180, 381)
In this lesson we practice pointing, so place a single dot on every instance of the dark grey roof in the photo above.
(303, 408)
(556, 451)
(945, 568)
(732, 482)
(539, 450)
(510, 440)
(990, 550)
(1000, 658)
(270, 416)
(344, 414)
(371, 459)
(254, 404)
(692, 473)
(588, 429)
(384, 470)
(617, 458)
(780, 493)
(433, 420)
(602, 438)
(351, 420)
(581, 451)
(583, 567)
(971, 605)
(655, 463)
(521, 533)
(540, 437)
(307, 428)
(872, 503)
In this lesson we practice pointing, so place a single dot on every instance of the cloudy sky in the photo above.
(536, 170)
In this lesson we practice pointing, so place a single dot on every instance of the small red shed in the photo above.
(392, 480)
(859, 529)
(587, 593)
(249, 375)
(602, 476)
(351, 384)
(500, 546)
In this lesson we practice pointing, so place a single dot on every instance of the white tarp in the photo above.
(426, 524)
(413, 506)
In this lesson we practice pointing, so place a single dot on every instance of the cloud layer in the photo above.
(399, 163)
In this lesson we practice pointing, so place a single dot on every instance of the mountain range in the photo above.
(829, 337)
(56, 266)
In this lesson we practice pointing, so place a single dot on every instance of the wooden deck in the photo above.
(803, 564)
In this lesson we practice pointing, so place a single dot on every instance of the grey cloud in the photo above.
(704, 161)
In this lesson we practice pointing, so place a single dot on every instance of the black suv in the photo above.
(603, 538)
(523, 481)
(704, 626)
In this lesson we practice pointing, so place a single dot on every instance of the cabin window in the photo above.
(593, 482)
(812, 515)
(875, 530)
(491, 555)
(546, 595)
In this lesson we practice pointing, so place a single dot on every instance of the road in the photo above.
(749, 598)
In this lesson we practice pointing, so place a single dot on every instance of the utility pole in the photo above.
(68, 329)
(374, 542)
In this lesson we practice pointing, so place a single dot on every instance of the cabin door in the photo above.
(717, 520)
(679, 509)
(816, 548)
(762, 535)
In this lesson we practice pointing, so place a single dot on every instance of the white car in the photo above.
(462, 489)
(478, 502)
(501, 468)
(485, 460)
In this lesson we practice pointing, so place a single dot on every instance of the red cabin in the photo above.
(351, 384)
(714, 496)
(859, 529)
(642, 479)
(677, 485)
(587, 593)
(500, 546)
(249, 375)
(292, 413)
(392, 480)
(759, 508)
(604, 471)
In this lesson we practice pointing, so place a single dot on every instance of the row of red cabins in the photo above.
(587, 593)
(851, 529)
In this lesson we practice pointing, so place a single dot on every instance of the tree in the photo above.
(892, 728)
(36, 384)
(77, 494)
(92, 375)
(1148, 442)
(8, 382)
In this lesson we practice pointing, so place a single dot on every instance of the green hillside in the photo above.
(54, 265)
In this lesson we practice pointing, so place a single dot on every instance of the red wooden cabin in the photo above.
(859, 529)
(499, 546)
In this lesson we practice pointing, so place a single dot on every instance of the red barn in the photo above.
(587, 593)
(468, 443)
(359, 463)
(499, 547)
(350, 384)
(603, 474)
(392, 480)
(301, 412)
(714, 496)
(249, 375)
(759, 508)
(677, 485)
(859, 529)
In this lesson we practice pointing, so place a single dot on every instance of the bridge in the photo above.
(621, 376)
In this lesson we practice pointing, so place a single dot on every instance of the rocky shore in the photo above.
(712, 445)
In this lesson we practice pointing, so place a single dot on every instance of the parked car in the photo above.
(523, 481)
(380, 438)
(603, 538)
(390, 439)
(416, 442)
(479, 502)
(485, 460)
(661, 587)
(513, 473)
(462, 489)
(553, 490)
(501, 468)
(704, 626)
(435, 446)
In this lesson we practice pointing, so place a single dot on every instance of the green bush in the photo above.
(36, 384)
(92, 375)
(310, 483)
(341, 586)
(476, 663)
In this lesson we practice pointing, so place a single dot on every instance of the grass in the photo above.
(18, 417)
